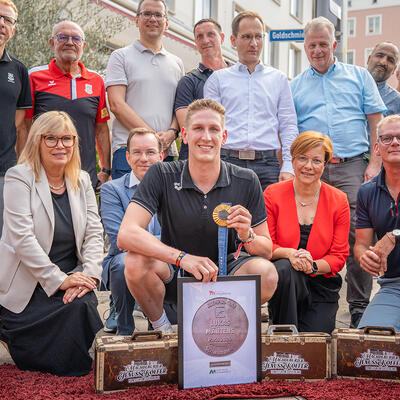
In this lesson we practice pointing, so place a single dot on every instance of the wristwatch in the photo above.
(250, 238)
(396, 234)
(314, 268)
(105, 170)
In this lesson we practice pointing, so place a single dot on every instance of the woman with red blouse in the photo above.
(309, 223)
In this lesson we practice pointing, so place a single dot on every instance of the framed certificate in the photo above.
(219, 331)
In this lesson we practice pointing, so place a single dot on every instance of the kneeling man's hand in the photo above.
(202, 268)
(240, 219)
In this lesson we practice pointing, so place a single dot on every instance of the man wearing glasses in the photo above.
(258, 103)
(378, 214)
(141, 81)
(66, 85)
(14, 97)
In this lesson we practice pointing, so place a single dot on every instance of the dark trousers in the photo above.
(348, 177)
(308, 303)
(267, 168)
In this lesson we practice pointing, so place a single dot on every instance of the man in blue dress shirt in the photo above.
(145, 149)
(382, 65)
(259, 106)
(340, 100)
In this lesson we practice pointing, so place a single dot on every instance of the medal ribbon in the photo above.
(222, 242)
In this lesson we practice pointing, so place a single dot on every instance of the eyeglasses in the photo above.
(147, 15)
(316, 162)
(388, 139)
(62, 38)
(52, 141)
(8, 20)
(138, 154)
(249, 38)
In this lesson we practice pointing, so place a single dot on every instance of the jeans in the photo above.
(384, 309)
(267, 169)
(348, 177)
(123, 300)
(120, 166)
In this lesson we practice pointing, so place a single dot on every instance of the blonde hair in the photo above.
(49, 123)
(205, 104)
(10, 4)
(310, 139)
(320, 23)
(387, 120)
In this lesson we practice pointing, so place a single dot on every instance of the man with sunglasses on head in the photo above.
(14, 97)
(66, 85)
(141, 81)
(259, 106)
(378, 214)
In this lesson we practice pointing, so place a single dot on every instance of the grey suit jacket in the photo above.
(28, 235)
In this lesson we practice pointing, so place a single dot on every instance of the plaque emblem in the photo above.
(220, 327)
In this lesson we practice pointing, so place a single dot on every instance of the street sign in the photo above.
(286, 35)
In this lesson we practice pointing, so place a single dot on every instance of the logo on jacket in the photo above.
(88, 88)
(51, 83)
(11, 78)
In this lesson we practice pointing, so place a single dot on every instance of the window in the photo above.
(205, 9)
(351, 27)
(368, 52)
(351, 57)
(171, 5)
(373, 25)
(294, 62)
(270, 51)
(296, 8)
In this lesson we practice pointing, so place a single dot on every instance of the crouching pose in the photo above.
(184, 195)
(51, 252)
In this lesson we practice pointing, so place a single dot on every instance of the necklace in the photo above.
(57, 187)
(303, 204)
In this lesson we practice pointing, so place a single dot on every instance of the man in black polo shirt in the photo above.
(14, 97)
(378, 213)
(184, 195)
(208, 38)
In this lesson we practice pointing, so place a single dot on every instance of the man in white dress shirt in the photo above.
(259, 107)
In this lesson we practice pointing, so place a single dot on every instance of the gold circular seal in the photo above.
(220, 214)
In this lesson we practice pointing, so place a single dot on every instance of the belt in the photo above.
(248, 154)
(337, 160)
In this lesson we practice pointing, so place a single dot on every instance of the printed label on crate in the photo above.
(285, 364)
(142, 371)
(378, 360)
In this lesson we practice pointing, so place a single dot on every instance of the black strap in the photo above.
(198, 74)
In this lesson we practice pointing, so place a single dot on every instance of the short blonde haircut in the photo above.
(320, 23)
(49, 123)
(10, 4)
(387, 120)
(205, 104)
(310, 139)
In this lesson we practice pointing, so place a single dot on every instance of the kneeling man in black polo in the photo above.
(184, 195)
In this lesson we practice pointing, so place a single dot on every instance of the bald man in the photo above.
(66, 85)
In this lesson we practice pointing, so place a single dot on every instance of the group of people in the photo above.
(300, 208)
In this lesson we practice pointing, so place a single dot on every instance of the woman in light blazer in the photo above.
(51, 251)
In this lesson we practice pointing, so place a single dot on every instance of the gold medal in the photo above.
(220, 214)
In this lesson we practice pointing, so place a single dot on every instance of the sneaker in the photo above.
(166, 328)
(111, 322)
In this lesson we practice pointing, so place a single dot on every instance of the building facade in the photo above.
(370, 22)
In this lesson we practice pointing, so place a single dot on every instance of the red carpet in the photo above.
(24, 385)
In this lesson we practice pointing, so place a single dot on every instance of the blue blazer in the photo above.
(115, 197)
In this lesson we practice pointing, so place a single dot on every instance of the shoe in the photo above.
(111, 322)
(166, 328)
(355, 319)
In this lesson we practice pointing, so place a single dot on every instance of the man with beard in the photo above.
(382, 64)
